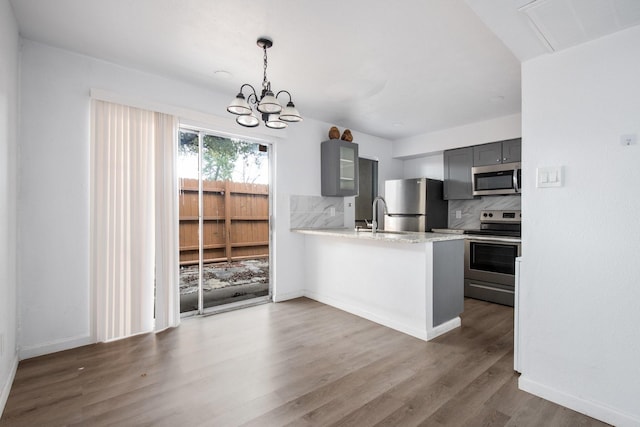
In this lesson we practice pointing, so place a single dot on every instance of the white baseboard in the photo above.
(54, 346)
(280, 296)
(423, 334)
(6, 387)
(443, 328)
(593, 409)
(358, 311)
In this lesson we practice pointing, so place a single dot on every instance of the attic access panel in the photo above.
(564, 23)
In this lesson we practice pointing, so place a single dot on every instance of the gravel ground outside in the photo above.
(224, 282)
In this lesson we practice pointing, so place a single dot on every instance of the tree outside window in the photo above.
(225, 159)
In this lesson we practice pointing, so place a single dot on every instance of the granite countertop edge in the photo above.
(397, 237)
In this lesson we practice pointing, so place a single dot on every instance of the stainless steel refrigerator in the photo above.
(414, 205)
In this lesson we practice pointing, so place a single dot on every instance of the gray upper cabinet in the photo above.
(487, 154)
(339, 168)
(497, 152)
(457, 173)
(512, 150)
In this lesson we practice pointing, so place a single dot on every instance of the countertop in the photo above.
(401, 236)
(395, 236)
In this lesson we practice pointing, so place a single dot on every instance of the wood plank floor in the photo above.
(298, 363)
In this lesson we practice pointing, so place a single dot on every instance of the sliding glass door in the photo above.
(224, 221)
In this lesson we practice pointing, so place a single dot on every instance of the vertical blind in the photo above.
(134, 221)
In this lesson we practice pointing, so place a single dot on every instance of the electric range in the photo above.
(489, 270)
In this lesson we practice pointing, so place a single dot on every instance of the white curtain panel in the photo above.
(130, 190)
(167, 223)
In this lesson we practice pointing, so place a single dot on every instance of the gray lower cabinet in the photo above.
(457, 174)
(495, 153)
(448, 280)
(339, 168)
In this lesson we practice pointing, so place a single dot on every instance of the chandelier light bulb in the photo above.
(248, 120)
(274, 122)
(239, 105)
(269, 104)
(290, 113)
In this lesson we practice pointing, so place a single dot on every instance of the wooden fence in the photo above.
(235, 218)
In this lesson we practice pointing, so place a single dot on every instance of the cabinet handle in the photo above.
(504, 160)
(497, 160)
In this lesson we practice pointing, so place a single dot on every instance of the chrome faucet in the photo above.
(374, 213)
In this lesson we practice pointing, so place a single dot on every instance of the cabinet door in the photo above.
(487, 154)
(347, 175)
(512, 150)
(457, 174)
(339, 168)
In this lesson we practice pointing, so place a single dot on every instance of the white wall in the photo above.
(581, 242)
(381, 150)
(431, 166)
(54, 171)
(8, 148)
(422, 154)
(498, 129)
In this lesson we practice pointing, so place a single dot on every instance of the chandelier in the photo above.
(272, 113)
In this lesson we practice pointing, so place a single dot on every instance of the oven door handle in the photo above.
(515, 180)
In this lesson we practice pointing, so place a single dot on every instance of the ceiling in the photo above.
(391, 69)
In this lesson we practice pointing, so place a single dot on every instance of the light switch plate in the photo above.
(549, 176)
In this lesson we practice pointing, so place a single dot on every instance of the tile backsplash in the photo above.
(316, 212)
(470, 209)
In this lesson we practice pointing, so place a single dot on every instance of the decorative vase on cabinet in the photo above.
(339, 163)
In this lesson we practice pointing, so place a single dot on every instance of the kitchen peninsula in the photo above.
(411, 282)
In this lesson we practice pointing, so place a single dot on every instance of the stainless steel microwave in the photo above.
(504, 178)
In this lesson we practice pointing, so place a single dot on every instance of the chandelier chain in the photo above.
(265, 83)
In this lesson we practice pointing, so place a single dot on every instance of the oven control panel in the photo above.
(501, 216)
